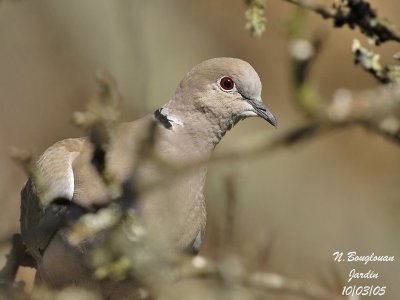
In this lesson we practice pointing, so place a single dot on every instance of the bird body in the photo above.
(209, 101)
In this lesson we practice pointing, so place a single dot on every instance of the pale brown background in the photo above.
(339, 192)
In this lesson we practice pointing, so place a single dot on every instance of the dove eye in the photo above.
(227, 84)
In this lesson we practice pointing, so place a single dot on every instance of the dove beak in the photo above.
(262, 111)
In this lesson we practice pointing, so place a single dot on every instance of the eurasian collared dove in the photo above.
(208, 102)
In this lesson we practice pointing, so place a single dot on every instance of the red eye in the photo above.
(227, 83)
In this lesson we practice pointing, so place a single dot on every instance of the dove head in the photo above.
(219, 92)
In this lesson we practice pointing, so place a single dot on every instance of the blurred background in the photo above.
(339, 192)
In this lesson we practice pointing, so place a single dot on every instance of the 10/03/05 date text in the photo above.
(367, 290)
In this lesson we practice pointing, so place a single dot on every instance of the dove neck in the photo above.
(204, 127)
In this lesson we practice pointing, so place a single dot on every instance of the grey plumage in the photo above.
(203, 108)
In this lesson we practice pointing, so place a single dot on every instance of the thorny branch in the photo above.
(355, 13)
